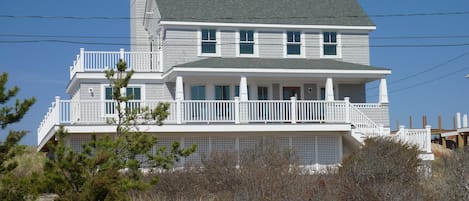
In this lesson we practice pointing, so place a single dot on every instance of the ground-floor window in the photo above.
(198, 92)
(222, 92)
(262, 93)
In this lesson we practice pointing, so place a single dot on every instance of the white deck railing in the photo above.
(98, 61)
(419, 137)
(63, 112)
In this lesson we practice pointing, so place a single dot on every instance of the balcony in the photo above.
(184, 112)
(99, 61)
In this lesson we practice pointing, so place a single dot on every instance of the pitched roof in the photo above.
(298, 12)
(326, 64)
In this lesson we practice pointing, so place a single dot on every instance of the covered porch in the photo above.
(275, 79)
(310, 83)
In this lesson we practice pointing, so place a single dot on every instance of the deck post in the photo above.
(347, 109)
(121, 54)
(458, 120)
(464, 121)
(237, 110)
(293, 109)
(428, 140)
(402, 131)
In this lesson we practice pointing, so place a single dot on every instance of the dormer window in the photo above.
(294, 43)
(209, 41)
(246, 42)
(330, 43)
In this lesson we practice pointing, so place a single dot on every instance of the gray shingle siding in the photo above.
(312, 43)
(157, 92)
(356, 92)
(180, 46)
(228, 43)
(138, 35)
(301, 12)
(270, 44)
(86, 95)
(355, 48)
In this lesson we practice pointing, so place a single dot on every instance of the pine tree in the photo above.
(11, 187)
(111, 165)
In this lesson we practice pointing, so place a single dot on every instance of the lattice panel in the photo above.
(195, 159)
(223, 144)
(328, 150)
(249, 142)
(283, 142)
(304, 147)
(167, 142)
(76, 141)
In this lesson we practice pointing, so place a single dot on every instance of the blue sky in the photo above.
(41, 69)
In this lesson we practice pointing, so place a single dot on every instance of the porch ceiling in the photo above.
(271, 67)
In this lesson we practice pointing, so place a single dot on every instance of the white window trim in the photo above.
(339, 46)
(302, 45)
(256, 44)
(217, 44)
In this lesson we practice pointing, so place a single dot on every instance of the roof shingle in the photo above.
(326, 64)
(297, 12)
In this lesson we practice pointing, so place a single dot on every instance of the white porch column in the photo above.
(243, 89)
(383, 91)
(179, 96)
(179, 88)
(329, 89)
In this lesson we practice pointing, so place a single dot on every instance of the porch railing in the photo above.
(63, 112)
(98, 61)
(418, 137)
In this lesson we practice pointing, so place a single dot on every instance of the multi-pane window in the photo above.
(222, 92)
(330, 43)
(246, 42)
(133, 93)
(209, 41)
(293, 43)
(262, 93)
(198, 92)
(109, 106)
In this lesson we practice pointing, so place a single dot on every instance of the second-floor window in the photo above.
(293, 43)
(330, 43)
(246, 42)
(209, 41)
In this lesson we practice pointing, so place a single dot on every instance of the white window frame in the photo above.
(302, 44)
(338, 45)
(217, 43)
(256, 43)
